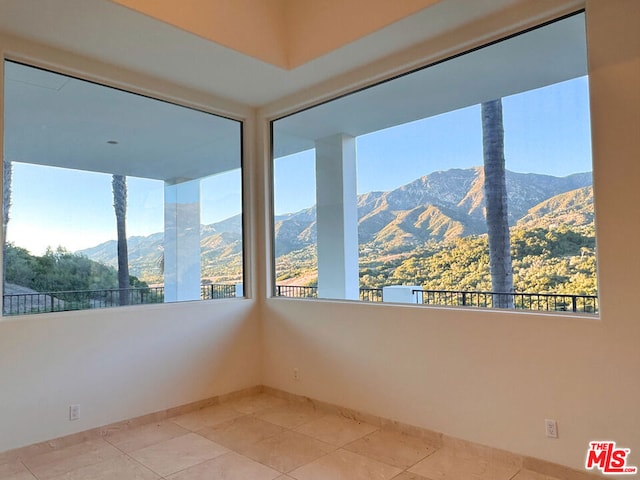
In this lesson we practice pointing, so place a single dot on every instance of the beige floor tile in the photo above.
(449, 464)
(394, 448)
(336, 430)
(196, 446)
(240, 432)
(140, 437)
(230, 466)
(344, 465)
(291, 415)
(206, 417)
(471, 449)
(120, 468)
(255, 403)
(58, 462)
(26, 475)
(15, 471)
(409, 476)
(287, 451)
(529, 475)
(178, 453)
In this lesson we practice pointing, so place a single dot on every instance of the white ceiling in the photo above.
(540, 57)
(55, 120)
(116, 35)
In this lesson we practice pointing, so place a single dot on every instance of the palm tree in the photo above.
(119, 186)
(495, 191)
(6, 204)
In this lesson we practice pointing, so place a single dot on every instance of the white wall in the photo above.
(493, 377)
(121, 363)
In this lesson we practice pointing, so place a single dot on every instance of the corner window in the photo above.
(112, 198)
(466, 183)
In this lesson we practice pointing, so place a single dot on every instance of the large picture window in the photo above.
(466, 183)
(112, 198)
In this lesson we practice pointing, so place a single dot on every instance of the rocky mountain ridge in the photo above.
(441, 206)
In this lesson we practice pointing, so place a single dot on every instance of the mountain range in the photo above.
(441, 206)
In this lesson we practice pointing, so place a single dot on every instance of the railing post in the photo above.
(574, 302)
(464, 299)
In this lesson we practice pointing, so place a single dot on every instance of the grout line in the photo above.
(28, 470)
(142, 465)
(113, 444)
(515, 474)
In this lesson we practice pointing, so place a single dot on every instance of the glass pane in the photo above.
(391, 193)
(113, 198)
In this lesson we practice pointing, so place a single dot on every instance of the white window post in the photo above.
(337, 217)
(182, 241)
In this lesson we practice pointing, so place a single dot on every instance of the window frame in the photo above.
(132, 83)
(386, 77)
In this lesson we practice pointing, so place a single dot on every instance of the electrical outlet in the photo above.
(296, 374)
(551, 428)
(74, 412)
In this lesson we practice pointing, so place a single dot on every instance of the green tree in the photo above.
(119, 186)
(495, 192)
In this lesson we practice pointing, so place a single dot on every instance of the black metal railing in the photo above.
(371, 294)
(64, 301)
(214, 291)
(549, 302)
(296, 291)
(43, 302)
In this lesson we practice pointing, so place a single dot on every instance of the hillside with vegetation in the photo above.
(58, 271)
(559, 260)
(429, 232)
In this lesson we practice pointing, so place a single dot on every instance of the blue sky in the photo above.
(56, 206)
(546, 131)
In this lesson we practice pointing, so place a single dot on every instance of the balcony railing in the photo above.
(214, 291)
(371, 294)
(295, 291)
(63, 301)
(43, 302)
(549, 302)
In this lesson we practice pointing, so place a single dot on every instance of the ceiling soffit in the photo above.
(283, 33)
(65, 33)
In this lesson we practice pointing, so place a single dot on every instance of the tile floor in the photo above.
(262, 437)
